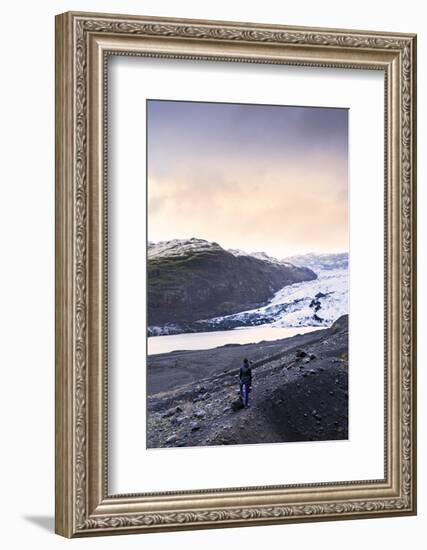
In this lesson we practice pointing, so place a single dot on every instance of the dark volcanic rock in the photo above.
(237, 405)
(295, 404)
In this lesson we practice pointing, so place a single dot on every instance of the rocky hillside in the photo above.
(300, 392)
(194, 279)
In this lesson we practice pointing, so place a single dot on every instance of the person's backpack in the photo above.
(246, 373)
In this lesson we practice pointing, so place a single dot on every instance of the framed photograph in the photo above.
(235, 274)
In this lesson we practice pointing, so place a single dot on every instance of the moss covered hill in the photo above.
(196, 279)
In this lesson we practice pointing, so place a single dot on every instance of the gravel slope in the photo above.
(300, 393)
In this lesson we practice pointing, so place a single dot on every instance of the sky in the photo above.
(253, 177)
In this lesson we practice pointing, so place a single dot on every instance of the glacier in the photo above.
(316, 303)
(312, 303)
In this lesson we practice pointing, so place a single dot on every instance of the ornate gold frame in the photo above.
(83, 505)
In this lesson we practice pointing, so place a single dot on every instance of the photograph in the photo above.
(235, 271)
(247, 274)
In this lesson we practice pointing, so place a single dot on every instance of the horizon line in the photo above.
(245, 250)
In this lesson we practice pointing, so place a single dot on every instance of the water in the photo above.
(209, 340)
(288, 313)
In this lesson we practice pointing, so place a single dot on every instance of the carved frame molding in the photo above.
(83, 43)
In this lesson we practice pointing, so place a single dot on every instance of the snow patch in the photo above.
(179, 247)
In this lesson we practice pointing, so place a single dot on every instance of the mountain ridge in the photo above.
(193, 279)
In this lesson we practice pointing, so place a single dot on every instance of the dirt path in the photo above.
(293, 399)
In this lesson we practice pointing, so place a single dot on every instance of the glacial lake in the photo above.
(208, 340)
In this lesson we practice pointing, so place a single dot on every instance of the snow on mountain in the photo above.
(237, 252)
(179, 247)
(182, 247)
(321, 262)
(261, 256)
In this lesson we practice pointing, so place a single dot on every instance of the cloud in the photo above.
(244, 194)
(290, 205)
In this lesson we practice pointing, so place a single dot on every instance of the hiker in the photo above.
(245, 378)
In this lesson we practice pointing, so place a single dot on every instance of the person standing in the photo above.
(245, 379)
